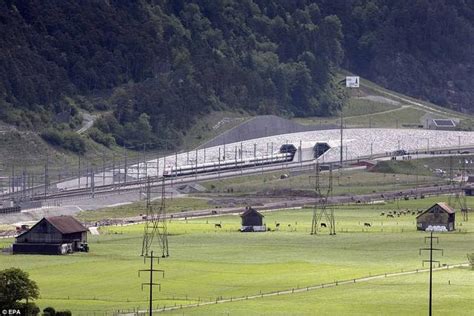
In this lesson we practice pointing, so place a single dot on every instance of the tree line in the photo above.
(156, 66)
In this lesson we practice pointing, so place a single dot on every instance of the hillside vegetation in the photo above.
(154, 67)
(421, 48)
(165, 63)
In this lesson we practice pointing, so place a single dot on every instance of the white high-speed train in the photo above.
(228, 165)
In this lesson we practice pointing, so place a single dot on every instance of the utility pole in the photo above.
(431, 261)
(195, 175)
(151, 284)
(23, 182)
(113, 169)
(219, 168)
(46, 176)
(79, 173)
(342, 148)
(125, 168)
(92, 182)
(176, 164)
(103, 168)
(13, 179)
(348, 82)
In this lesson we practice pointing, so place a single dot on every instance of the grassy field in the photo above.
(135, 209)
(407, 295)
(425, 166)
(210, 126)
(358, 107)
(207, 263)
(345, 183)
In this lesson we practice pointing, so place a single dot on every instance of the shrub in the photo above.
(49, 311)
(101, 106)
(67, 140)
(100, 137)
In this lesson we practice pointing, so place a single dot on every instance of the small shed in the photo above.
(469, 186)
(252, 221)
(53, 235)
(440, 214)
(469, 190)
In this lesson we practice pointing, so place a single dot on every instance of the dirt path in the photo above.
(88, 121)
(403, 107)
(418, 104)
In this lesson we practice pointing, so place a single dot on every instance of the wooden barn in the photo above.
(53, 235)
(440, 214)
(252, 221)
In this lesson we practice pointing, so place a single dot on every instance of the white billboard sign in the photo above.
(352, 82)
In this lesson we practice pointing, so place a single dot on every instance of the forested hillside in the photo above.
(424, 48)
(166, 62)
(156, 66)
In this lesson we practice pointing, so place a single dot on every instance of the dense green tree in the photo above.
(16, 286)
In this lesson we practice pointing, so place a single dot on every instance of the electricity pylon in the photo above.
(321, 210)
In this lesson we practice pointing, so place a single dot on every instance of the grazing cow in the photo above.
(367, 225)
(217, 226)
(323, 225)
(382, 214)
(277, 224)
(390, 215)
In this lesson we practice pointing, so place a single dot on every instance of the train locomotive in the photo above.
(285, 154)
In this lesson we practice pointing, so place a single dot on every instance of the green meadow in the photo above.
(208, 264)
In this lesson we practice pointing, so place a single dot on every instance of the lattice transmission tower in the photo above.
(323, 213)
(155, 225)
(459, 198)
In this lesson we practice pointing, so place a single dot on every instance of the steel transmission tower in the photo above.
(155, 225)
(459, 196)
(321, 211)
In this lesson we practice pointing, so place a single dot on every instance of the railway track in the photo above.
(156, 181)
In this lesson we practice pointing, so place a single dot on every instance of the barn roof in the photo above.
(448, 209)
(66, 224)
(249, 211)
(470, 179)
